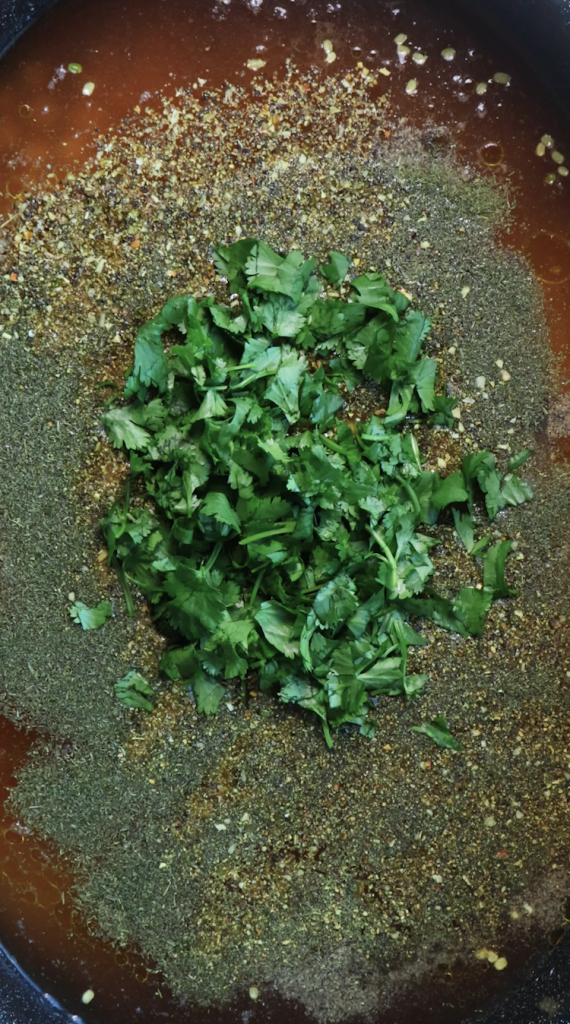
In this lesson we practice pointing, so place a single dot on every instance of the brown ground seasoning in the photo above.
(237, 851)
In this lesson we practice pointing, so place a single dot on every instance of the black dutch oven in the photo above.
(540, 31)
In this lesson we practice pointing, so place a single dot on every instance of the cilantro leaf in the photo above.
(410, 335)
(465, 529)
(278, 626)
(449, 490)
(330, 318)
(121, 425)
(133, 691)
(151, 364)
(439, 610)
(230, 262)
(212, 405)
(180, 663)
(494, 569)
(280, 317)
(515, 491)
(208, 694)
(336, 601)
(324, 409)
(414, 684)
(335, 271)
(470, 606)
(423, 375)
(217, 505)
(284, 389)
(373, 291)
(519, 460)
(196, 602)
(267, 271)
(90, 618)
(438, 731)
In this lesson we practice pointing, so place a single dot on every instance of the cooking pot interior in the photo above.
(532, 41)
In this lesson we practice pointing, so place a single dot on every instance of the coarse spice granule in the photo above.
(236, 850)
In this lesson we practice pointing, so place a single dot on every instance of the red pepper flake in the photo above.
(135, 244)
(13, 277)
(502, 853)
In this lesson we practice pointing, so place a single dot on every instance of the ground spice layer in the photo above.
(236, 851)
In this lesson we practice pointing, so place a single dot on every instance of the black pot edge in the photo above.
(541, 34)
(23, 1002)
(16, 17)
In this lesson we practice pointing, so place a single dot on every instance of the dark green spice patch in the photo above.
(53, 674)
(263, 852)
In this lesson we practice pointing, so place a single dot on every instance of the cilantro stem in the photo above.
(188, 490)
(389, 556)
(326, 730)
(121, 575)
(127, 499)
(212, 559)
(403, 649)
(416, 451)
(252, 377)
(410, 492)
(286, 528)
(256, 586)
(331, 444)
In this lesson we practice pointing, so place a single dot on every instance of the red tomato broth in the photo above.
(47, 127)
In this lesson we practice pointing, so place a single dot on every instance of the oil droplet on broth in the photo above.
(549, 256)
(14, 188)
(492, 154)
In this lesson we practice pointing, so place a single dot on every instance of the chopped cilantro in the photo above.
(268, 535)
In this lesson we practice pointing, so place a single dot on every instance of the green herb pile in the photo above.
(272, 538)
